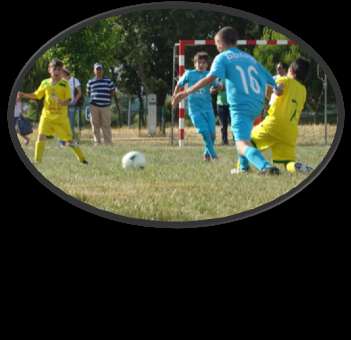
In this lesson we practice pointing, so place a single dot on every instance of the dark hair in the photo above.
(201, 56)
(56, 63)
(300, 67)
(284, 65)
(229, 35)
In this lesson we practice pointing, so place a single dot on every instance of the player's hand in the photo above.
(178, 97)
(19, 95)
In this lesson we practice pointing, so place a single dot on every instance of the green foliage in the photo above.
(270, 55)
(141, 44)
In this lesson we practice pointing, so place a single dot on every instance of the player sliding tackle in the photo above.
(278, 131)
(246, 83)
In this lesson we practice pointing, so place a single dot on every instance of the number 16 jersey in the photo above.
(246, 81)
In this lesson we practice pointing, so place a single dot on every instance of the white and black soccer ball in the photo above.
(133, 160)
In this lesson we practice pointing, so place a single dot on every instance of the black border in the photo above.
(186, 224)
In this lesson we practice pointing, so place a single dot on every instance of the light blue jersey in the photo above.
(199, 101)
(246, 81)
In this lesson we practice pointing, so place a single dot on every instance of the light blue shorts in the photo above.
(242, 125)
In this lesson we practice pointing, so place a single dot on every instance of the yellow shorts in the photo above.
(59, 128)
(281, 152)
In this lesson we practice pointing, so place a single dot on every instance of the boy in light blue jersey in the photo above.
(200, 107)
(245, 82)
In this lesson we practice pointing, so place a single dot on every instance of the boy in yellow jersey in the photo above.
(278, 131)
(54, 119)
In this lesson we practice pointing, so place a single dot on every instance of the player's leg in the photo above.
(44, 129)
(201, 125)
(39, 148)
(221, 114)
(261, 139)
(63, 132)
(242, 127)
(26, 139)
(77, 151)
(106, 124)
(211, 123)
(72, 116)
(286, 154)
(226, 121)
(95, 123)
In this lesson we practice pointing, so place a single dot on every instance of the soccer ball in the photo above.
(133, 160)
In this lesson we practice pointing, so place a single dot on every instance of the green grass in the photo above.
(176, 184)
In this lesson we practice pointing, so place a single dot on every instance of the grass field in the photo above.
(176, 184)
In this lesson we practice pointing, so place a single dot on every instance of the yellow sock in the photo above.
(39, 150)
(290, 167)
(78, 152)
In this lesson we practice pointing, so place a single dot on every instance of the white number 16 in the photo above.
(254, 84)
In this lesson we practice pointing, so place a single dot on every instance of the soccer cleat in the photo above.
(271, 170)
(84, 161)
(206, 158)
(237, 171)
(303, 168)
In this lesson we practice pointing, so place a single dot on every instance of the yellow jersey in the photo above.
(285, 111)
(52, 109)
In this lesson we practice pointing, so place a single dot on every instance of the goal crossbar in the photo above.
(208, 42)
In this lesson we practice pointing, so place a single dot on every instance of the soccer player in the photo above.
(200, 107)
(246, 82)
(279, 129)
(54, 119)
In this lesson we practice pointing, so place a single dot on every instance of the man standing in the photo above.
(100, 90)
(222, 110)
(76, 94)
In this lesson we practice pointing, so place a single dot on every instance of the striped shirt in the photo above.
(99, 91)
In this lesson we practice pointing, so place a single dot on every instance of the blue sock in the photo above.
(256, 158)
(243, 163)
(209, 145)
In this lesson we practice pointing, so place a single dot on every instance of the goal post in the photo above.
(181, 46)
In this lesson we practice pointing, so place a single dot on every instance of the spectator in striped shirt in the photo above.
(100, 90)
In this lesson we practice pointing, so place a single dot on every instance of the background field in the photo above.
(176, 184)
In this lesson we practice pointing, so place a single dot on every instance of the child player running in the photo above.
(200, 107)
(54, 119)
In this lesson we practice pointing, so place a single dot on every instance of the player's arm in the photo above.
(279, 89)
(27, 95)
(79, 94)
(199, 85)
(216, 87)
(88, 90)
(269, 91)
(63, 102)
(183, 80)
(38, 94)
(177, 89)
(113, 89)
